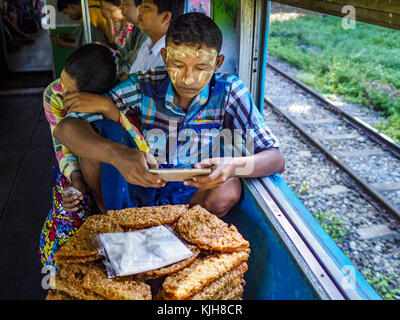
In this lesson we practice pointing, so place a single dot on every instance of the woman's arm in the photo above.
(84, 141)
(110, 30)
(55, 113)
(63, 43)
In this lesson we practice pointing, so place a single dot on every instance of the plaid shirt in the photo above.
(224, 108)
(55, 112)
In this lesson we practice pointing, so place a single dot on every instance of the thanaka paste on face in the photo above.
(181, 52)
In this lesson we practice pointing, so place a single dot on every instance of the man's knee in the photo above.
(65, 127)
(220, 203)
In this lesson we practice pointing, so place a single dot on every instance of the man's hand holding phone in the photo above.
(222, 169)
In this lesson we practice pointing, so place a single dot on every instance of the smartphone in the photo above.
(179, 174)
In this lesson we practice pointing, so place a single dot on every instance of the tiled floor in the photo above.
(33, 57)
(26, 161)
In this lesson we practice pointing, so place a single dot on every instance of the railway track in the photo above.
(330, 124)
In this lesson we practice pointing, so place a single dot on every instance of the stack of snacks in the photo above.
(214, 272)
(82, 248)
(218, 275)
(90, 282)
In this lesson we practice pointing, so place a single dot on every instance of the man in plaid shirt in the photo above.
(190, 116)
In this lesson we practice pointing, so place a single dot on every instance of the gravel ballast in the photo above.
(328, 193)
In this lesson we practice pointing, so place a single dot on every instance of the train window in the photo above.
(201, 6)
(243, 25)
(224, 14)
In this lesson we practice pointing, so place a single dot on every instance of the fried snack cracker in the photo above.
(69, 279)
(227, 289)
(83, 245)
(208, 232)
(218, 288)
(75, 290)
(172, 268)
(58, 295)
(146, 217)
(235, 294)
(204, 295)
(189, 281)
(123, 288)
(79, 260)
(90, 282)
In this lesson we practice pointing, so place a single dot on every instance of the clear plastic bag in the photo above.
(71, 191)
(139, 251)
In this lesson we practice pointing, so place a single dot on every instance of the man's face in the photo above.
(149, 19)
(73, 11)
(190, 67)
(130, 11)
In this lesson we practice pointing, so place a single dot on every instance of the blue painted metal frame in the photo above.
(283, 268)
(361, 286)
(264, 56)
(187, 6)
(273, 273)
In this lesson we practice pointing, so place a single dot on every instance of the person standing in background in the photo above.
(118, 27)
(155, 16)
(73, 9)
(134, 41)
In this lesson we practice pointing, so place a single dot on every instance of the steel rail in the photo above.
(388, 144)
(332, 157)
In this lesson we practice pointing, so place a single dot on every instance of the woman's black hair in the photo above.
(195, 28)
(63, 4)
(116, 3)
(93, 67)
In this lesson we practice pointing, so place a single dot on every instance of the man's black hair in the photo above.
(176, 7)
(195, 28)
(116, 3)
(93, 67)
(138, 2)
(63, 4)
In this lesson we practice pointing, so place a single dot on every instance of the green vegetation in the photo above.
(382, 285)
(362, 65)
(332, 224)
(304, 187)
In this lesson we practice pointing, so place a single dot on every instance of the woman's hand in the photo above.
(61, 43)
(123, 76)
(55, 37)
(222, 169)
(107, 14)
(91, 103)
(73, 203)
(86, 102)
